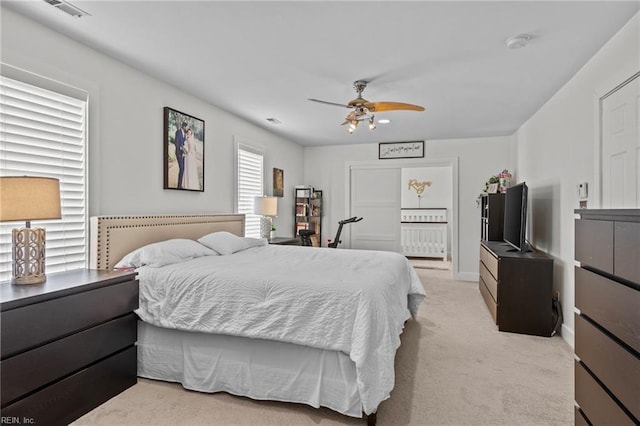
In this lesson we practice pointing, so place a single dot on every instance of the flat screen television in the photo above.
(515, 216)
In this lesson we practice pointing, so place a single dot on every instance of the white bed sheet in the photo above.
(353, 301)
(256, 368)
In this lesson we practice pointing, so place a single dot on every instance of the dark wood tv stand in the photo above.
(517, 288)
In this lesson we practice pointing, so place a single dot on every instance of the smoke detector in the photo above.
(518, 41)
(68, 8)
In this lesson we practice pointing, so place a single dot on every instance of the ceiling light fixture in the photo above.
(384, 121)
(518, 41)
(361, 114)
(68, 8)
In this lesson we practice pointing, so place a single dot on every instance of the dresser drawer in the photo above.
(617, 368)
(594, 244)
(491, 304)
(30, 370)
(70, 398)
(594, 401)
(489, 282)
(626, 261)
(579, 419)
(612, 305)
(26, 327)
(489, 261)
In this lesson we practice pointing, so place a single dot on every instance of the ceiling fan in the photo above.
(363, 109)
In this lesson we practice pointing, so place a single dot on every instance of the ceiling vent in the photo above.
(68, 8)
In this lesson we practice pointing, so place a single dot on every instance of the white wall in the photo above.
(557, 150)
(438, 195)
(125, 129)
(478, 158)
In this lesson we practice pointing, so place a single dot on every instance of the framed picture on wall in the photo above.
(389, 150)
(183, 151)
(278, 182)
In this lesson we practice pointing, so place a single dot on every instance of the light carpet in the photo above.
(453, 368)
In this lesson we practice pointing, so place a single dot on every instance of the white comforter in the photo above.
(354, 301)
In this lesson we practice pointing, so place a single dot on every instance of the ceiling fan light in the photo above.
(372, 124)
(350, 130)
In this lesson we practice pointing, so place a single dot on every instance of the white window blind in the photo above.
(42, 133)
(250, 185)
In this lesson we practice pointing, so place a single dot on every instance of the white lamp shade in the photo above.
(29, 198)
(265, 206)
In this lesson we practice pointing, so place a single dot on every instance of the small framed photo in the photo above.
(183, 151)
(278, 182)
(493, 188)
(389, 150)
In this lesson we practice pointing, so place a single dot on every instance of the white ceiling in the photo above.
(264, 59)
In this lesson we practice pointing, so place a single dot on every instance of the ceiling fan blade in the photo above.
(329, 103)
(391, 106)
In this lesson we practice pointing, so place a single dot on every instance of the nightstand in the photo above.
(285, 241)
(68, 344)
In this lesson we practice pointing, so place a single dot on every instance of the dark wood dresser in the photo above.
(68, 345)
(607, 321)
(517, 288)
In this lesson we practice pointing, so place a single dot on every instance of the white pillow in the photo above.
(227, 243)
(164, 253)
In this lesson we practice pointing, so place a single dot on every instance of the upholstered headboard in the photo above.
(112, 237)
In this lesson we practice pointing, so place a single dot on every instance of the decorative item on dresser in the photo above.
(267, 207)
(607, 321)
(67, 345)
(29, 198)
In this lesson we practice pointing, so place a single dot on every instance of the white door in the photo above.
(621, 147)
(375, 196)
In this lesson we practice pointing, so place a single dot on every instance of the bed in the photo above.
(316, 326)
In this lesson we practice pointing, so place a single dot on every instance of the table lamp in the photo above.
(28, 198)
(267, 207)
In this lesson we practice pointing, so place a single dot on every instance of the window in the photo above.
(42, 133)
(250, 184)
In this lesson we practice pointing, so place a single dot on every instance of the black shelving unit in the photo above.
(491, 217)
(308, 212)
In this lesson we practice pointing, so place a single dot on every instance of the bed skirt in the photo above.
(255, 368)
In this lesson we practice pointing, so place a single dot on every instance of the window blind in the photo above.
(250, 185)
(43, 133)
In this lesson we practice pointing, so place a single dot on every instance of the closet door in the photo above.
(621, 147)
(375, 196)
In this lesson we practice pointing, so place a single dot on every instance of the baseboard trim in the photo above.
(568, 335)
(466, 276)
